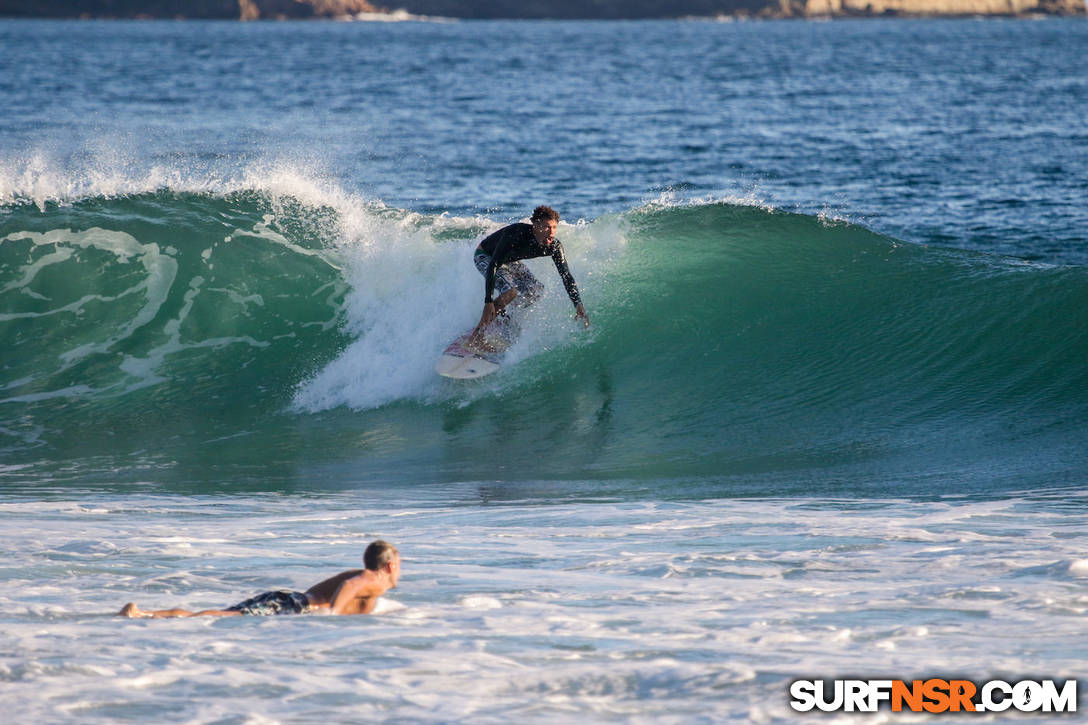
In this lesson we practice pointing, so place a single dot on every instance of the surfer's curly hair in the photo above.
(544, 212)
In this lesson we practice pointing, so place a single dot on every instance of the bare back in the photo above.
(321, 594)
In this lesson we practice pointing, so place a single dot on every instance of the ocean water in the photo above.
(830, 418)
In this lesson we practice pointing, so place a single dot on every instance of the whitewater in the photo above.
(828, 421)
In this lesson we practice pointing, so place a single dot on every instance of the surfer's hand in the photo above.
(487, 317)
(581, 314)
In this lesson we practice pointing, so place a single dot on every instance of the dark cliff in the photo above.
(598, 9)
(618, 9)
(211, 9)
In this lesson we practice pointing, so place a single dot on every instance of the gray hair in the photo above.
(378, 554)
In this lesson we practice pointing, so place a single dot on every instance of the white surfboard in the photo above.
(464, 367)
(463, 360)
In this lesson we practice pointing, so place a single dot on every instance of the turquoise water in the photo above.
(829, 417)
(261, 337)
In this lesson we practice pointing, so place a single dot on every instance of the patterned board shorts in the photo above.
(269, 603)
(512, 275)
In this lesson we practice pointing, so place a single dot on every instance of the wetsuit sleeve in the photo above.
(560, 260)
(502, 247)
(489, 282)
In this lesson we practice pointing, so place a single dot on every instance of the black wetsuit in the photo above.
(516, 242)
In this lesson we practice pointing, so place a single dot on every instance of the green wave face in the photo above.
(734, 341)
(155, 314)
(729, 342)
(761, 340)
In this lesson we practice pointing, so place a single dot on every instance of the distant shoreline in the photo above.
(738, 18)
(454, 10)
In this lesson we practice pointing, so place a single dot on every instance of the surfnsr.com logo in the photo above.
(934, 695)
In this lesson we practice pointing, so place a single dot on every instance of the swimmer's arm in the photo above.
(355, 596)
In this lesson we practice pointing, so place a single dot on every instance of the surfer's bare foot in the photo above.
(131, 610)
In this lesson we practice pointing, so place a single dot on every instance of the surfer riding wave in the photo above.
(498, 258)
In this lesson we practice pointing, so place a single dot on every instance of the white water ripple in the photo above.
(614, 612)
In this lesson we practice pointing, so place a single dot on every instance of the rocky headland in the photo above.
(624, 9)
(201, 9)
(557, 9)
